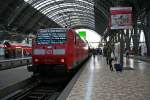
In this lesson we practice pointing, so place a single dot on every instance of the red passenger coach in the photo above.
(57, 48)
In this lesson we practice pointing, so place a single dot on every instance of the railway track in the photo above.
(39, 91)
(54, 87)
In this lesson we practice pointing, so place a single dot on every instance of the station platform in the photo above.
(143, 58)
(14, 62)
(13, 76)
(97, 82)
(3, 59)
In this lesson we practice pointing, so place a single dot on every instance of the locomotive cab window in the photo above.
(58, 38)
(51, 37)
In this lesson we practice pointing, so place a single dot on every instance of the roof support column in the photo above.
(136, 38)
(127, 39)
(146, 29)
(121, 47)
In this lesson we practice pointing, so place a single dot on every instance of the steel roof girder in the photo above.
(4, 4)
(83, 22)
(25, 15)
(17, 13)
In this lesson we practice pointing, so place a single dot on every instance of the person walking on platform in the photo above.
(127, 53)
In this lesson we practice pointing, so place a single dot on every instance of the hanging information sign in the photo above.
(120, 17)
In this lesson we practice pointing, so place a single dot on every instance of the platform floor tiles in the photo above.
(97, 82)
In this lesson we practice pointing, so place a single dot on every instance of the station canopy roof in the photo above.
(22, 15)
(67, 13)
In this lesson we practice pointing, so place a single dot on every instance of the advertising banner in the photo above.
(120, 17)
(82, 34)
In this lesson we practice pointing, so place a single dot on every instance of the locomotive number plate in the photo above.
(49, 52)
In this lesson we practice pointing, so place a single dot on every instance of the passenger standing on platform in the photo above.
(108, 57)
(108, 54)
(127, 53)
(105, 51)
(94, 53)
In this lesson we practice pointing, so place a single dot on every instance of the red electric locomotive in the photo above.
(57, 48)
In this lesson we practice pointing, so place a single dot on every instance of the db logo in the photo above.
(49, 52)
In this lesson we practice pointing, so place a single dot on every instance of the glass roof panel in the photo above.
(76, 21)
(64, 11)
(72, 17)
(73, 12)
(66, 5)
(43, 4)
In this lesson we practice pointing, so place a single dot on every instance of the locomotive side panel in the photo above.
(70, 52)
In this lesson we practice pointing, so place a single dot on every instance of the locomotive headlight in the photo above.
(36, 60)
(62, 60)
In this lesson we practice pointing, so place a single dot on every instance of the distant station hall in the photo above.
(74, 50)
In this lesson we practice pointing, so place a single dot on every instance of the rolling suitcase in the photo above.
(118, 67)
